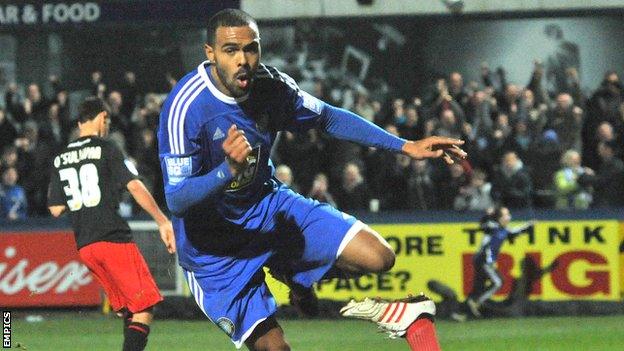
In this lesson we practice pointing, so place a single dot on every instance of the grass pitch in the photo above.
(91, 331)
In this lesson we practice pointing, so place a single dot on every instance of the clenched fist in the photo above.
(236, 149)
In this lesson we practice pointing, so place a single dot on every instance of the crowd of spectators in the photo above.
(34, 127)
(527, 147)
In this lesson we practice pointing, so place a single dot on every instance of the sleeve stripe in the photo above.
(170, 124)
(286, 79)
(182, 117)
(263, 72)
(176, 115)
(273, 73)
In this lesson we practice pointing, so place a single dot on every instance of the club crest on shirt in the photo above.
(247, 176)
(226, 325)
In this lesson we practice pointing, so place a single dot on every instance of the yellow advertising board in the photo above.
(621, 247)
(586, 252)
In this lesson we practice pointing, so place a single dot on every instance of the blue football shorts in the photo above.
(296, 236)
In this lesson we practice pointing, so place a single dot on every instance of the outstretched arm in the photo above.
(346, 125)
(146, 201)
(522, 228)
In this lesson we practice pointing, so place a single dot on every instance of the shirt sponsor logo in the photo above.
(178, 168)
(247, 176)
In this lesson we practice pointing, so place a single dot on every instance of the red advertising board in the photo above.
(42, 269)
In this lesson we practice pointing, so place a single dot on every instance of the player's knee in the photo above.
(388, 258)
(383, 260)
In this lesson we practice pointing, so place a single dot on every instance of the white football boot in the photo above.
(392, 317)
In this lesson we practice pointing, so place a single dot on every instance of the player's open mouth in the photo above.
(243, 80)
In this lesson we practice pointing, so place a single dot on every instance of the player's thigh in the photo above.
(309, 231)
(127, 268)
(89, 256)
(366, 252)
(268, 335)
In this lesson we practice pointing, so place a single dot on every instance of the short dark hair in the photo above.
(227, 18)
(90, 108)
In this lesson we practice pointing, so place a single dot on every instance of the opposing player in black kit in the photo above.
(88, 178)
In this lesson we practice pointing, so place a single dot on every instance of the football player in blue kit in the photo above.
(487, 279)
(231, 216)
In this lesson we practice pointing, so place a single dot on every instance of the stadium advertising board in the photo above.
(19, 14)
(43, 269)
(622, 258)
(586, 252)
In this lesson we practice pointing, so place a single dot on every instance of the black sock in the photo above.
(135, 336)
(127, 319)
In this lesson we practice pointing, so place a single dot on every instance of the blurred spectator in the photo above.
(398, 112)
(512, 185)
(320, 190)
(119, 121)
(292, 147)
(457, 90)
(10, 156)
(62, 100)
(353, 192)
(572, 183)
(13, 203)
(476, 195)
(8, 133)
(36, 157)
(604, 105)
(510, 101)
(566, 120)
(394, 195)
(413, 128)
(130, 94)
(478, 113)
(534, 115)
(364, 108)
(535, 85)
(519, 140)
(421, 187)
(33, 107)
(604, 133)
(53, 130)
(283, 173)
(609, 181)
(148, 164)
(450, 184)
(542, 160)
(501, 131)
(448, 125)
(98, 88)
